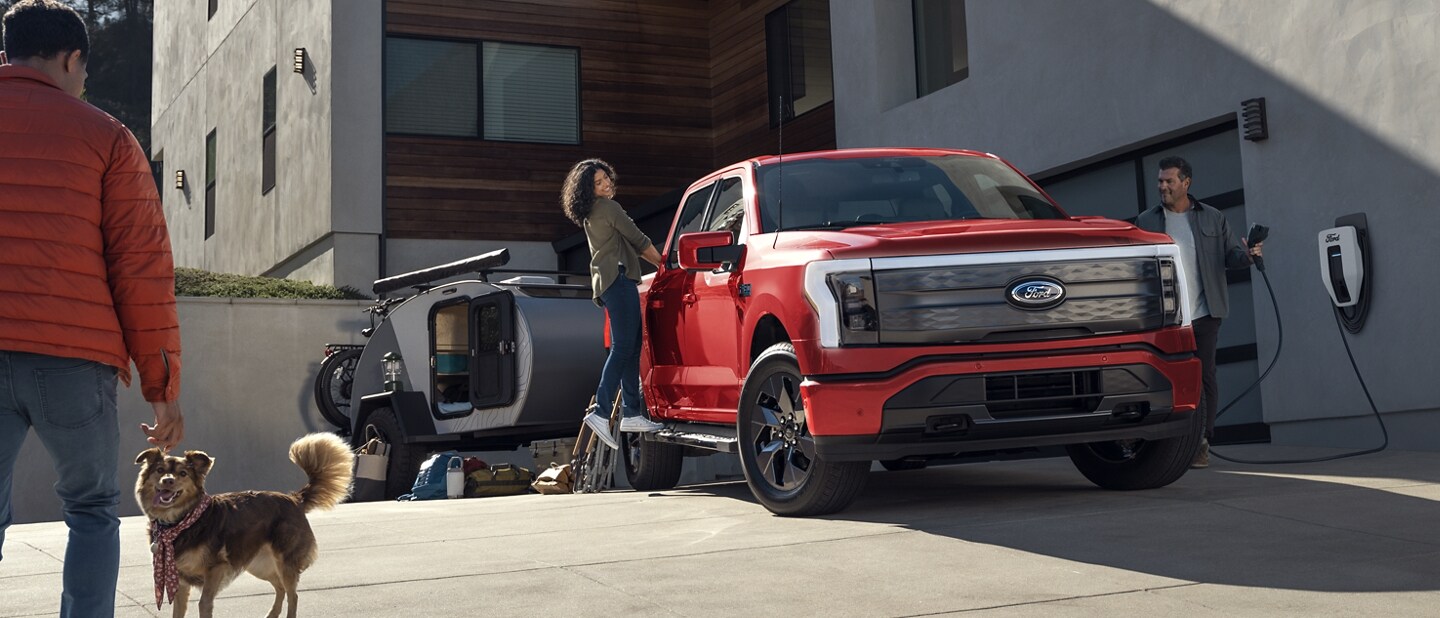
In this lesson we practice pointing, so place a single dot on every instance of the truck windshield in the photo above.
(840, 193)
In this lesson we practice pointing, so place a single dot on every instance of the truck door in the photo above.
(664, 326)
(712, 319)
(493, 346)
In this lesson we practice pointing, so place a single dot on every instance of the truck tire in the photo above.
(1137, 464)
(651, 465)
(777, 452)
(405, 459)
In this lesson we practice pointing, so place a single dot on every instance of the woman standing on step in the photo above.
(616, 247)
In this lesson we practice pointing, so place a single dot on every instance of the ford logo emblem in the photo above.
(1036, 294)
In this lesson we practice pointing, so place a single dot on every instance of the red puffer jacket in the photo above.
(85, 265)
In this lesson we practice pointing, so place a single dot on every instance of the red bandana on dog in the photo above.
(162, 544)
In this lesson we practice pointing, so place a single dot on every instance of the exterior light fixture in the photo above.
(180, 179)
(393, 368)
(300, 60)
(1252, 119)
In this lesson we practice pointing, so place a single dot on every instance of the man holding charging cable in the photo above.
(1207, 249)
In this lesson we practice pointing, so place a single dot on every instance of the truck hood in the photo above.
(970, 236)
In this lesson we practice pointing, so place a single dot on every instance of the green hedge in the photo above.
(196, 282)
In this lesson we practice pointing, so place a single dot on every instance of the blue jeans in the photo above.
(71, 405)
(622, 367)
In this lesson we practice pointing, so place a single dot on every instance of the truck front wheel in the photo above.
(777, 452)
(1137, 464)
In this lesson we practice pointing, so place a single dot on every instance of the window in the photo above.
(941, 57)
(214, 5)
(690, 220)
(431, 88)
(797, 57)
(157, 170)
(530, 92)
(267, 134)
(729, 212)
(210, 184)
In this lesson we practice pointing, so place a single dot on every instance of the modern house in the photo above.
(339, 141)
(343, 140)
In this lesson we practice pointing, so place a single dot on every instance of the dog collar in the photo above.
(162, 545)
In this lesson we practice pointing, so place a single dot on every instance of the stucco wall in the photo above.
(209, 75)
(1353, 120)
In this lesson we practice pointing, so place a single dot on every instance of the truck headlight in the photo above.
(1169, 293)
(859, 320)
(842, 293)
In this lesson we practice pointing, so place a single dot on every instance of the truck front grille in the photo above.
(962, 304)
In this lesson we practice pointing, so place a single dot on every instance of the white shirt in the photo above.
(1178, 227)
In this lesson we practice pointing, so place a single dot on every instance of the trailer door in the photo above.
(492, 350)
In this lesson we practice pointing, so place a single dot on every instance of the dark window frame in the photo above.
(157, 170)
(955, 11)
(212, 173)
(781, 68)
(479, 45)
(269, 110)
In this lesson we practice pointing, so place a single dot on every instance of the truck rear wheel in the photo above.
(651, 465)
(405, 459)
(777, 452)
(1137, 464)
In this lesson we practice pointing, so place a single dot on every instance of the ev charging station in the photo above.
(1344, 260)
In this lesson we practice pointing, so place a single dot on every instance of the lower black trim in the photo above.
(882, 447)
(1244, 433)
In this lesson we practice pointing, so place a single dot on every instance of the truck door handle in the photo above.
(689, 298)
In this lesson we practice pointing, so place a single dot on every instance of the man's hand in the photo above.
(1255, 251)
(169, 427)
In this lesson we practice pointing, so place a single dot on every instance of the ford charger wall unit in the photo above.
(826, 310)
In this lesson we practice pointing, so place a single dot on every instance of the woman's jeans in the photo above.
(71, 405)
(622, 367)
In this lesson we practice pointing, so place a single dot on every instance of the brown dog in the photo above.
(208, 540)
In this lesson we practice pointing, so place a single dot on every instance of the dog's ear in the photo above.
(199, 461)
(150, 456)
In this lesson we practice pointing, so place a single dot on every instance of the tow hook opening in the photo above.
(1130, 412)
(947, 424)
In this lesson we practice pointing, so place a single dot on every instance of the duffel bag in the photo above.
(498, 480)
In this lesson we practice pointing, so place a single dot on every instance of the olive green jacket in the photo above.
(614, 241)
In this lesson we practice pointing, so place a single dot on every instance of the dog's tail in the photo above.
(327, 460)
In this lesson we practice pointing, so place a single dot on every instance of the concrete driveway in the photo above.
(1352, 537)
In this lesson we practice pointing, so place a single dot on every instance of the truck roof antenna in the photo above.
(780, 170)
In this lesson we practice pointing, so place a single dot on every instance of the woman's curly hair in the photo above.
(577, 197)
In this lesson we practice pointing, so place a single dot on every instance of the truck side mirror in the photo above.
(708, 250)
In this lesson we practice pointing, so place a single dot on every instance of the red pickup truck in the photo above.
(820, 311)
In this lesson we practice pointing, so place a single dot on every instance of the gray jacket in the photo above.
(614, 240)
(1216, 247)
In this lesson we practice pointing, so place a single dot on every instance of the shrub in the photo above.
(196, 282)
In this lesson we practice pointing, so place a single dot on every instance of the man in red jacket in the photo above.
(86, 286)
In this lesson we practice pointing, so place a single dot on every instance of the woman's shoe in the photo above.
(601, 426)
(639, 424)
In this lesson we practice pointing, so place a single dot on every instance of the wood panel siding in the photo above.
(669, 90)
(741, 114)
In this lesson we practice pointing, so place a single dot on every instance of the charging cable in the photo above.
(1279, 343)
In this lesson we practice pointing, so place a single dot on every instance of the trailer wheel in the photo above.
(651, 465)
(777, 452)
(333, 385)
(405, 459)
(1138, 464)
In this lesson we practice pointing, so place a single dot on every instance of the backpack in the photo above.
(430, 482)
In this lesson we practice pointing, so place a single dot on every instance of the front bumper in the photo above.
(954, 405)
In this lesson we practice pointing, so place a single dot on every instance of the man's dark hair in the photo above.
(43, 28)
(1176, 163)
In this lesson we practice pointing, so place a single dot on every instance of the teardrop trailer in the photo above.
(468, 365)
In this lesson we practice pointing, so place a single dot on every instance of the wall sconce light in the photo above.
(180, 179)
(1252, 119)
(300, 60)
